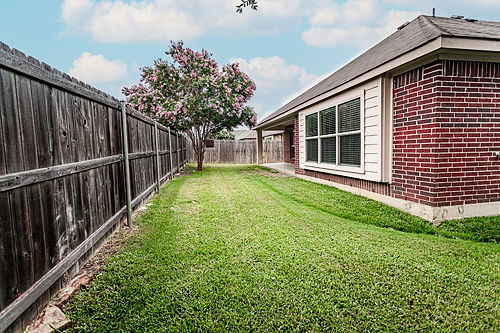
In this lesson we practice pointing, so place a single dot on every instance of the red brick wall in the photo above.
(298, 170)
(446, 130)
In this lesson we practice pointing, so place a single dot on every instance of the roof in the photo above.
(252, 134)
(418, 32)
(238, 133)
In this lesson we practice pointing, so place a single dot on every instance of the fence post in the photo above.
(178, 153)
(157, 153)
(260, 147)
(170, 154)
(127, 163)
(183, 151)
(182, 159)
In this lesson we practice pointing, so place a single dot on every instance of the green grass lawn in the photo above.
(236, 248)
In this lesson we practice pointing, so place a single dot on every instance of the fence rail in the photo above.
(63, 169)
(239, 152)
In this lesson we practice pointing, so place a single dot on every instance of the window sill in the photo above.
(333, 167)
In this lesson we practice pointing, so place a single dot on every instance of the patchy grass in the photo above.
(228, 250)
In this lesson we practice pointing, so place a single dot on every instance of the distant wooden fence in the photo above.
(63, 188)
(240, 152)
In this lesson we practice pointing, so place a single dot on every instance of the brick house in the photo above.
(413, 122)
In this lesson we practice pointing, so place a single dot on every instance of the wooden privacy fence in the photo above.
(239, 152)
(63, 177)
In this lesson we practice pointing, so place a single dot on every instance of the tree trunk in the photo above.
(200, 160)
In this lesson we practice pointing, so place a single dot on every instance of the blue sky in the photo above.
(286, 46)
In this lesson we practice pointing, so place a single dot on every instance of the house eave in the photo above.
(441, 47)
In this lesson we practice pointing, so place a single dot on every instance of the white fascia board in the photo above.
(472, 44)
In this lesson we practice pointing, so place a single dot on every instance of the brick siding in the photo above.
(298, 170)
(446, 130)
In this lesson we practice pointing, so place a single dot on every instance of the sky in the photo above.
(286, 46)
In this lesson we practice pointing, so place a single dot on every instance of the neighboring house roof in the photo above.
(252, 134)
(418, 32)
(238, 133)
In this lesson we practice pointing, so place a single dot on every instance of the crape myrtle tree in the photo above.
(192, 94)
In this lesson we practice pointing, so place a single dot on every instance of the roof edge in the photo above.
(347, 84)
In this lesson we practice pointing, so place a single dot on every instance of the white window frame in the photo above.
(312, 137)
(361, 131)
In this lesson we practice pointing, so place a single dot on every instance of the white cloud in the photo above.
(332, 22)
(358, 11)
(271, 73)
(94, 69)
(277, 81)
(494, 3)
(327, 12)
(359, 23)
(117, 21)
(446, 3)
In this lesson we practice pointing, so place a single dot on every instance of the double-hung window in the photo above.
(333, 136)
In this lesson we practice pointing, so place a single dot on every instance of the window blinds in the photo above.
(312, 150)
(312, 124)
(327, 120)
(350, 149)
(349, 116)
(329, 150)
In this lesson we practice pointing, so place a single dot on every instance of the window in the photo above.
(333, 136)
(312, 150)
(312, 137)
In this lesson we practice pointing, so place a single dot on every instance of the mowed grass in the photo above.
(357, 208)
(235, 248)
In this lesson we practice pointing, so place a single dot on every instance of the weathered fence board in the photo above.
(239, 152)
(62, 178)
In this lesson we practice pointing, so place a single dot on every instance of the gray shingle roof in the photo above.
(418, 32)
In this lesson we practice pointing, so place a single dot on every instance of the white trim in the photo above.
(321, 167)
(391, 131)
(475, 44)
(436, 215)
(386, 129)
(362, 107)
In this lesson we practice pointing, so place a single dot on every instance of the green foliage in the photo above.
(222, 135)
(223, 250)
(246, 3)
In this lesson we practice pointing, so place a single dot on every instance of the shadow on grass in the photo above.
(361, 209)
